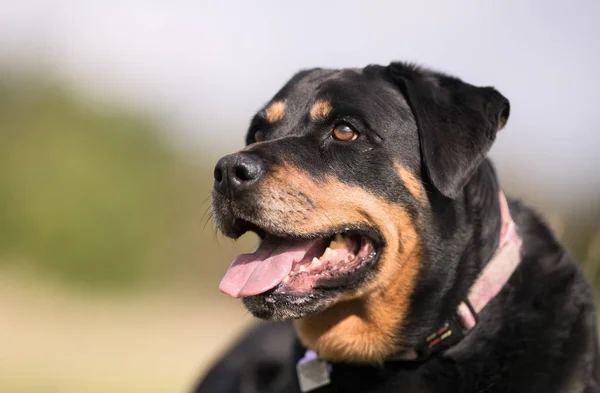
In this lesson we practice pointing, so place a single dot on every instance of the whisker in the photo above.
(208, 218)
(208, 208)
(206, 199)
(216, 237)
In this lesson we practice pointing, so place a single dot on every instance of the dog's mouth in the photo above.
(293, 265)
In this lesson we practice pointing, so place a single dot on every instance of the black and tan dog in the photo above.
(386, 238)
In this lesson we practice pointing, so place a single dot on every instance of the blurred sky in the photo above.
(206, 66)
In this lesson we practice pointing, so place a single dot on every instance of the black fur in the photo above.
(457, 123)
(538, 335)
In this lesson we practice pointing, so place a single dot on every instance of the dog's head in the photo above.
(338, 179)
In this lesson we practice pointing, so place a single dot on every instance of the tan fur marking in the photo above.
(360, 326)
(412, 184)
(275, 111)
(320, 110)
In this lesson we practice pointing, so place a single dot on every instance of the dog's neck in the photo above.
(375, 328)
(464, 237)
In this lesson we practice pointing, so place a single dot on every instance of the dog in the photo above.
(390, 260)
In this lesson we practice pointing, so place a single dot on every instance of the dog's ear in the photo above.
(457, 123)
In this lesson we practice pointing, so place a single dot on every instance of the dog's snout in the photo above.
(236, 172)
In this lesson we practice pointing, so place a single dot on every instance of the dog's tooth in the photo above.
(286, 279)
(329, 253)
(316, 262)
(302, 268)
(338, 242)
(335, 245)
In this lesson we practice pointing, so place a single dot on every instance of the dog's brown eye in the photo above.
(343, 132)
(259, 136)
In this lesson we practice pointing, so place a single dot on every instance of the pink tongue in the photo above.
(252, 274)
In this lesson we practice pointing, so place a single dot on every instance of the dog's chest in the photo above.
(351, 379)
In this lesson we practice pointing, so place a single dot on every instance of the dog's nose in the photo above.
(237, 172)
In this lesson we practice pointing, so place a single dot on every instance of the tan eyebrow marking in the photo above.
(275, 111)
(320, 110)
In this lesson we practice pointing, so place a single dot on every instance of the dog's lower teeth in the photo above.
(316, 262)
(329, 253)
(338, 260)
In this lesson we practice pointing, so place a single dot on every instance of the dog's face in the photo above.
(337, 178)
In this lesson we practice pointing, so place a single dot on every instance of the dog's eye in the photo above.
(343, 132)
(259, 136)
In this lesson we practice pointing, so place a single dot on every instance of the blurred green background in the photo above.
(111, 119)
(107, 253)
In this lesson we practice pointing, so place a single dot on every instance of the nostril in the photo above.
(247, 169)
(218, 174)
(242, 172)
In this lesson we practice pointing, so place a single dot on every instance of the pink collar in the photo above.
(497, 272)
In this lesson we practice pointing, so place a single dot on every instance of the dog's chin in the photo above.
(272, 306)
